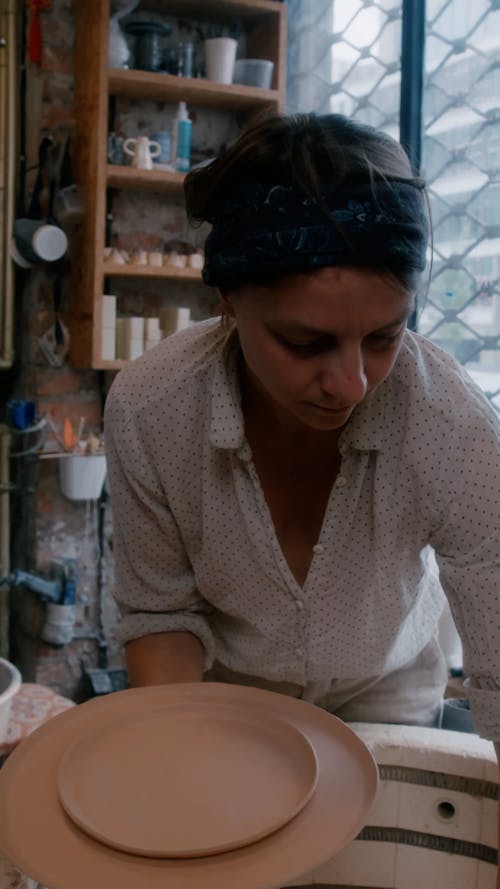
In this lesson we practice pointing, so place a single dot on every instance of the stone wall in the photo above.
(45, 526)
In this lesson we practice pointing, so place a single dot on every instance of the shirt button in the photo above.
(341, 481)
(318, 548)
(299, 652)
(299, 603)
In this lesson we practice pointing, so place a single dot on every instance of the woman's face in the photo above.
(315, 345)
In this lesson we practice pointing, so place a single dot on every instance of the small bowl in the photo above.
(254, 72)
(10, 683)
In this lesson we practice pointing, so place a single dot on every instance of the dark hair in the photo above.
(309, 153)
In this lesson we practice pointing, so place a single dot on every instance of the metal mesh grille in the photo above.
(461, 162)
(345, 56)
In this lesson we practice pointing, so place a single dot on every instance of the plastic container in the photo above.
(59, 624)
(10, 683)
(185, 60)
(254, 72)
(182, 139)
(82, 477)
(457, 716)
(164, 141)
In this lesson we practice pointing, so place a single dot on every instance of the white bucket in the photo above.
(10, 683)
(82, 477)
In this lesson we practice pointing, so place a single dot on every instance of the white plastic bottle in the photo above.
(181, 154)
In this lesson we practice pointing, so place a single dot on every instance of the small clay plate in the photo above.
(181, 784)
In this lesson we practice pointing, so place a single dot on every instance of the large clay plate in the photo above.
(182, 784)
(38, 836)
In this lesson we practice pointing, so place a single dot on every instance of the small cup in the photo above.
(254, 72)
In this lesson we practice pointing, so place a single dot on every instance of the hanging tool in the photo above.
(69, 435)
(59, 588)
(35, 209)
(35, 29)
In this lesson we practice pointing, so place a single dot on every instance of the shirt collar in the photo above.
(227, 427)
(365, 429)
(371, 427)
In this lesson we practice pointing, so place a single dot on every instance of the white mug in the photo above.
(142, 151)
(37, 241)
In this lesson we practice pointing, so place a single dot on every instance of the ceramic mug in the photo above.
(142, 151)
(37, 241)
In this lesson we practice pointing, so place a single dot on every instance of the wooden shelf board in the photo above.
(194, 90)
(216, 10)
(117, 364)
(151, 180)
(112, 270)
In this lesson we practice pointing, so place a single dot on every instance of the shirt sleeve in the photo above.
(154, 583)
(467, 546)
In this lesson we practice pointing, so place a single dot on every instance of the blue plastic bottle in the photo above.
(183, 127)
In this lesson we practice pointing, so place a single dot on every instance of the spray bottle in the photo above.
(181, 154)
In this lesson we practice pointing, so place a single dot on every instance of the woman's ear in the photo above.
(226, 304)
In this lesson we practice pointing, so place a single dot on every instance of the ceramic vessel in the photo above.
(119, 52)
(10, 683)
(142, 151)
(38, 241)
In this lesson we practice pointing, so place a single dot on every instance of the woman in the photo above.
(279, 481)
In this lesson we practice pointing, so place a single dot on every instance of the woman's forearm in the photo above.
(163, 658)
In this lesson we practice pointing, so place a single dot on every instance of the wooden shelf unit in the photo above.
(264, 23)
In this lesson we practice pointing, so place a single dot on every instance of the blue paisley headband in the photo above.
(261, 229)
